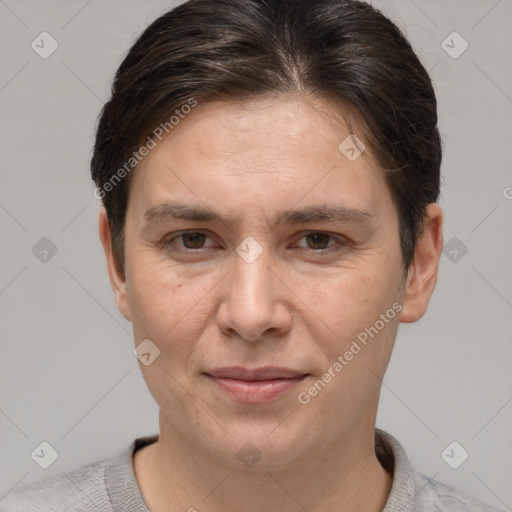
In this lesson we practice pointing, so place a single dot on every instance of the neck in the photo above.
(344, 476)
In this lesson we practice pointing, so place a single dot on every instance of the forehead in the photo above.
(302, 125)
(265, 150)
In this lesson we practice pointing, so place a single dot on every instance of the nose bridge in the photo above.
(251, 305)
(251, 275)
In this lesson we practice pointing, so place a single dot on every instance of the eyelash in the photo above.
(167, 243)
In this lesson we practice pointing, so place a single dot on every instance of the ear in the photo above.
(422, 274)
(116, 274)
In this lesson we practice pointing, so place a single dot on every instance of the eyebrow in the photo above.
(168, 210)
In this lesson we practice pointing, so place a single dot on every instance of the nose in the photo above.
(255, 303)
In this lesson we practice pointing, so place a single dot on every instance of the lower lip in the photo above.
(255, 391)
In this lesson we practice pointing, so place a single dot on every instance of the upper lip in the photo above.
(263, 373)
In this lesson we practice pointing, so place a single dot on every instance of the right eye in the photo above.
(192, 241)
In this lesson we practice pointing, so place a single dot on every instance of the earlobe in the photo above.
(116, 274)
(422, 274)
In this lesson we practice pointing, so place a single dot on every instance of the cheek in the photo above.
(168, 308)
(350, 313)
(156, 299)
(356, 356)
(167, 312)
(346, 302)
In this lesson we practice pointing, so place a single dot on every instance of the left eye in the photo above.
(319, 239)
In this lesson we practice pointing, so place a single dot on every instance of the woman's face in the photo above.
(299, 257)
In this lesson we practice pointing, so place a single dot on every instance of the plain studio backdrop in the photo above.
(68, 376)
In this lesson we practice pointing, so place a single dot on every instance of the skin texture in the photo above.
(293, 306)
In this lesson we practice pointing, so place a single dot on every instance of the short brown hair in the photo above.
(343, 49)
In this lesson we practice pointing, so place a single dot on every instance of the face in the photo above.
(297, 266)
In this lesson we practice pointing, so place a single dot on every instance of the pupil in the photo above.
(196, 243)
(316, 237)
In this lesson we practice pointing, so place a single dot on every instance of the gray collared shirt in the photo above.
(109, 485)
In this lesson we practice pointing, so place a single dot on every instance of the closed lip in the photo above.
(255, 374)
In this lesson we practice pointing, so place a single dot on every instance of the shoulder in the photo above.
(82, 489)
(432, 495)
(412, 491)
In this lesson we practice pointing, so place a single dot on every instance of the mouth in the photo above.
(258, 385)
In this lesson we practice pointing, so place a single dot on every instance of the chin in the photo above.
(268, 448)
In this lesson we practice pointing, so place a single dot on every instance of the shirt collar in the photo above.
(122, 484)
(393, 458)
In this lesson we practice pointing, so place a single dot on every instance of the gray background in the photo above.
(67, 372)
